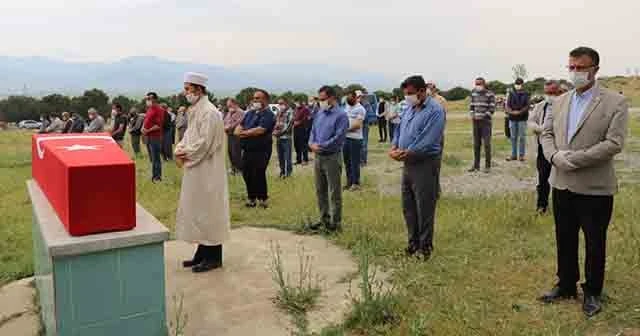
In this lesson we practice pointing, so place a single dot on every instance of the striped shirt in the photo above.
(483, 104)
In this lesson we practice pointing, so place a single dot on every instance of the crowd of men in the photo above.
(577, 133)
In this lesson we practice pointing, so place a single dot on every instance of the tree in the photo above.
(520, 71)
(126, 103)
(17, 108)
(535, 86)
(245, 96)
(397, 92)
(92, 98)
(497, 87)
(300, 97)
(457, 93)
(339, 91)
(383, 94)
(354, 87)
(56, 103)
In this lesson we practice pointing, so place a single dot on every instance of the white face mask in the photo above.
(114, 113)
(191, 98)
(324, 105)
(549, 99)
(149, 103)
(256, 106)
(579, 79)
(518, 87)
(479, 88)
(412, 100)
(282, 107)
(429, 92)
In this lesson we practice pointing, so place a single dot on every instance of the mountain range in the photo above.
(38, 76)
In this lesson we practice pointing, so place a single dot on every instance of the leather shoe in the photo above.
(411, 250)
(557, 294)
(189, 263)
(206, 266)
(591, 305)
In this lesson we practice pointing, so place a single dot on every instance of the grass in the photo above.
(492, 256)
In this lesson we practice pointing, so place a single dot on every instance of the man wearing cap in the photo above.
(203, 212)
(152, 130)
(517, 109)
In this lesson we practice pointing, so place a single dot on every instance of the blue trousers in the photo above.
(518, 138)
(154, 145)
(365, 142)
(285, 157)
(351, 154)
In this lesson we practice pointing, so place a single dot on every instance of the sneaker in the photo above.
(486, 170)
(263, 204)
(512, 158)
(523, 159)
(473, 170)
(356, 187)
(541, 211)
(250, 204)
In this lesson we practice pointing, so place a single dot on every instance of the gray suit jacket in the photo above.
(599, 137)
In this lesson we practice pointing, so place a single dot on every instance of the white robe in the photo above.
(203, 212)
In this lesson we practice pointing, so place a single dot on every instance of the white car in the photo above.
(29, 124)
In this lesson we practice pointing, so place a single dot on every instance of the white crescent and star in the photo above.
(74, 148)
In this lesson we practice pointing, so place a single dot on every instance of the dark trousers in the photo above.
(135, 144)
(382, 129)
(234, 150)
(392, 130)
(544, 188)
(284, 156)
(351, 154)
(328, 173)
(254, 172)
(301, 144)
(481, 135)
(212, 253)
(419, 198)
(592, 214)
(167, 145)
(154, 145)
(365, 142)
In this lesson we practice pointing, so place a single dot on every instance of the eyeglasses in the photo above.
(579, 67)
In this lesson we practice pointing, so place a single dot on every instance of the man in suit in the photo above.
(536, 122)
(585, 130)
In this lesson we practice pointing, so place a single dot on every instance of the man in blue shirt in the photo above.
(418, 143)
(255, 139)
(327, 138)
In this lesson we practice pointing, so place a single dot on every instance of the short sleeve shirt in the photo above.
(120, 120)
(264, 119)
(356, 112)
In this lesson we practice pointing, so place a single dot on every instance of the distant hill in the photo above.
(39, 76)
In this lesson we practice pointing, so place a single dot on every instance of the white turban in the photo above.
(196, 78)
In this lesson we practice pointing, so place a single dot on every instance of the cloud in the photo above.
(450, 41)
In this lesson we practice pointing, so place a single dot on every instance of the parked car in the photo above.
(29, 124)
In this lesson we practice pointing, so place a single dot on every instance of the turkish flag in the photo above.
(88, 179)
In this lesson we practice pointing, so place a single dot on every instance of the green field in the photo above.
(493, 255)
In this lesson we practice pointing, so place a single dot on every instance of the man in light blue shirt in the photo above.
(579, 103)
(418, 143)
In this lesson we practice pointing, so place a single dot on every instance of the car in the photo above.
(29, 124)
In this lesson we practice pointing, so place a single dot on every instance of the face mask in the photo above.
(149, 103)
(283, 107)
(579, 79)
(479, 88)
(256, 105)
(114, 113)
(412, 100)
(518, 87)
(429, 92)
(191, 98)
(324, 105)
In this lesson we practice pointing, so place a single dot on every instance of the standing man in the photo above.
(353, 143)
(152, 130)
(517, 110)
(300, 131)
(584, 131)
(203, 213)
(255, 132)
(97, 122)
(167, 132)
(383, 115)
(394, 117)
(232, 119)
(283, 132)
(418, 143)
(327, 139)
(119, 124)
(483, 105)
(181, 122)
(369, 106)
(536, 123)
(135, 129)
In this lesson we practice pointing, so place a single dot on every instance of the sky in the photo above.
(452, 41)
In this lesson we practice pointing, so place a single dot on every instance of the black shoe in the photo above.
(557, 294)
(346, 188)
(314, 228)
(206, 266)
(251, 204)
(190, 263)
(591, 306)
(541, 211)
(334, 229)
(473, 170)
(411, 250)
(425, 254)
(156, 180)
